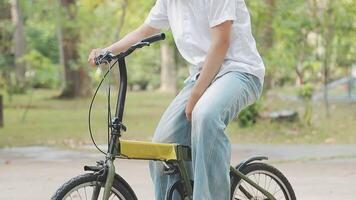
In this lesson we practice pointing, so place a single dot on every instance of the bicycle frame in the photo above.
(174, 154)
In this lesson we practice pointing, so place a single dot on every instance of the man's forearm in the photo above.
(132, 38)
(211, 67)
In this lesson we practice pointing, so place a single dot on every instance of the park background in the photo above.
(308, 47)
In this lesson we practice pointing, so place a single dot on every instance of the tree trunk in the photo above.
(328, 37)
(267, 38)
(168, 69)
(299, 66)
(1, 112)
(19, 43)
(76, 78)
(117, 36)
(121, 19)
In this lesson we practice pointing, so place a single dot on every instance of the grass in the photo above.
(65, 122)
(56, 122)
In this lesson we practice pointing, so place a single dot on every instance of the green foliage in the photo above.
(305, 92)
(6, 55)
(41, 71)
(303, 33)
(42, 37)
(144, 68)
(248, 116)
(100, 26)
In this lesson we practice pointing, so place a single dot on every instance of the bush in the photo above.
(249, 115)
(305, 92)
(41, 72)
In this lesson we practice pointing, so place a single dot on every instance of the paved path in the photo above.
(316, 172)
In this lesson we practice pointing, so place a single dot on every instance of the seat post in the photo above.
(184, 154)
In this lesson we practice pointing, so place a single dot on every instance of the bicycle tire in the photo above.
(119, 189)
(271, 172)
(178, 187)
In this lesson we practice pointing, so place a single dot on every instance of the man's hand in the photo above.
(193, 99)
(217, 52)
(126, 42)
(92, 55)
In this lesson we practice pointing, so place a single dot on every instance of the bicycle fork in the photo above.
(109, 172)
(109, 179)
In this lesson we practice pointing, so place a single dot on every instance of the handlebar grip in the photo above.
(155, 38)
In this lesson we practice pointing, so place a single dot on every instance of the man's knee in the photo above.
(204, 115)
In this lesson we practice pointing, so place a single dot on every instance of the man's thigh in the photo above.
(227, 96)
(173, 126)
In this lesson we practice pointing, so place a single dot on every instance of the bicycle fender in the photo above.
(250, 160)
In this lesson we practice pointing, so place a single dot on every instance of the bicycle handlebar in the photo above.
(155, 38)
(108, 56)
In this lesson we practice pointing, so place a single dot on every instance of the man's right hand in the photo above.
(93, 54)
(126, 42)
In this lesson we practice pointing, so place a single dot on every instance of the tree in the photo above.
(121, 19)
(19, 44)
(168, 68)
(76, 78)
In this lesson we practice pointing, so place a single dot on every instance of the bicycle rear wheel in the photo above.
(266, 176)
(82, 187)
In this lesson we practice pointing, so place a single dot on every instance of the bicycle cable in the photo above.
(91, 106)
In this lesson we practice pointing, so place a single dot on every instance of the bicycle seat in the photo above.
(153, 151)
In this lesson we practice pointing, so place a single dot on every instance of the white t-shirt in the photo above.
(190, 22)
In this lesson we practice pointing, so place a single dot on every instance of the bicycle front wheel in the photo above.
(266, 176)
(83, 186)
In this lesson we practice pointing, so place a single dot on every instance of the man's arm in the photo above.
(132, 38)
(217, 52)
(126, 42)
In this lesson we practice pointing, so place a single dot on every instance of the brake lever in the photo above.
(105, 57)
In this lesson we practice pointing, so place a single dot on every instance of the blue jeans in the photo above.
(211, 151)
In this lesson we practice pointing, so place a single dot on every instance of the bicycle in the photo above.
(103, 183)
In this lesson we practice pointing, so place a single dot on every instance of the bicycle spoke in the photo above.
(85, 192)
(245, 191)
(275, 188)
(259, 177)
(281, 196)
(277, 192)
(250, 188)
(256, 191)
(265, 182)
(80, 196)
(269, 184)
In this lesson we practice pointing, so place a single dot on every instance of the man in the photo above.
(226, 75)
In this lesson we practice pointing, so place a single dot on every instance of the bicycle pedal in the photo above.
(170, 170)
